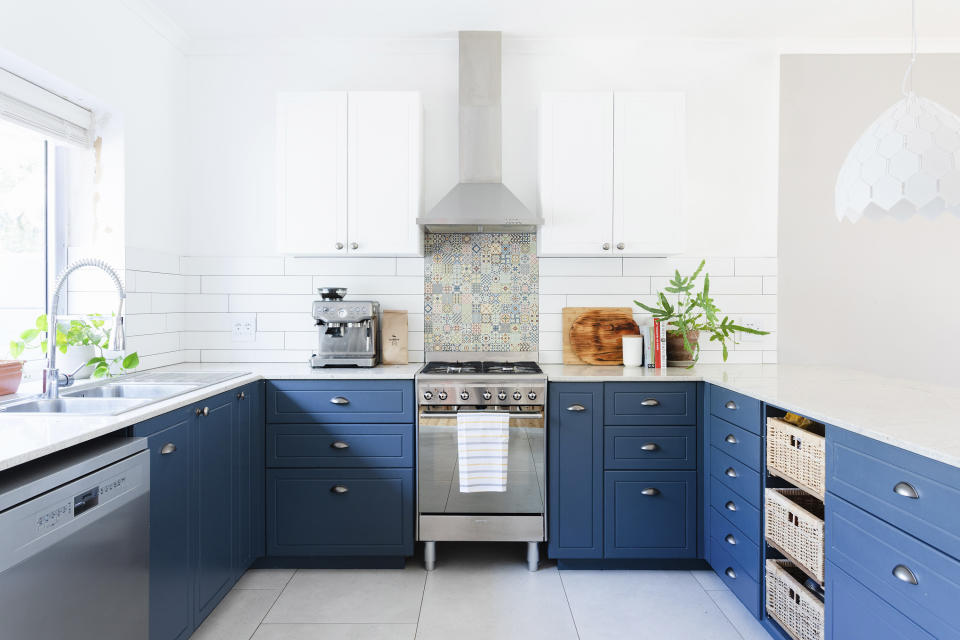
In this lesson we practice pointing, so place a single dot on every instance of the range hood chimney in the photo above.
(480, 202)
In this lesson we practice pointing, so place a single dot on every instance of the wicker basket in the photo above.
(797, 454)
(794, 526)
(798, 611)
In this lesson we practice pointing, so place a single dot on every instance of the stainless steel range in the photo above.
(446, 509)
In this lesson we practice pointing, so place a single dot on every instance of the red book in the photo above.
(657, 357)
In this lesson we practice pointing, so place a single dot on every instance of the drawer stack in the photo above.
(339, 458)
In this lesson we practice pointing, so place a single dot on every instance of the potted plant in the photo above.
(84, 343)
(693, 313)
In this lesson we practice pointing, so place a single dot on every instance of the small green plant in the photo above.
(87, 331)
(695, 311)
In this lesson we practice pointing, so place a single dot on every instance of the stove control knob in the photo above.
(502, 395)
(428, 395)
(487, 395)
(442, 395)
(464, 395)
(532, 395)
(516, 395)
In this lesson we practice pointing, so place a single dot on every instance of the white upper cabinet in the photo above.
(612, 173)
(349, 175)
(576, 173)
(312, 173)
(385, 173)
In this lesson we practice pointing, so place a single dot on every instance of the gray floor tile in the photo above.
(238, 615)
(709, 580)
(644, 605)
(351, 596)
(748, 626)
(265, 579)
(336, 632)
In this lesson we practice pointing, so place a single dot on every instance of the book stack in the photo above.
(655, 345)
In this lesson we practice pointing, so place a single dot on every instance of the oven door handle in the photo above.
(453, 414)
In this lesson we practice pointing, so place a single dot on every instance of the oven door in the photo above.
(438, 481)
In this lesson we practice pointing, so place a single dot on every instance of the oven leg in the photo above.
(429, 555)
(533, 556)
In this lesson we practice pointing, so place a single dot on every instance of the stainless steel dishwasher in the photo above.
(74, 544)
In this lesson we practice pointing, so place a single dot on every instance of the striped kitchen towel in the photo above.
(482, 440)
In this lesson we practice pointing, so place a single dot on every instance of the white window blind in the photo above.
(28, 105)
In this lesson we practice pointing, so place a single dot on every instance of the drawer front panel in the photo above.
(306, 516)
(736, 509)
(650, 514)
(853, 612)
(650, 447)
(339, 401)
(740, 547)
(736, 475)
(340, 445)
(650, 403)
(736, 442)
(869, 474)
(737, 408)
(871, 551)
(736, 578)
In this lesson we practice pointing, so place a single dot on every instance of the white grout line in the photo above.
(717, 605)
(573, 618)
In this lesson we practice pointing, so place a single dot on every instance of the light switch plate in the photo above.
(244, 327)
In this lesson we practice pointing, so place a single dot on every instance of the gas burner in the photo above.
(477, 367)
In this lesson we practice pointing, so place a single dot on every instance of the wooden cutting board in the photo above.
(592, 335)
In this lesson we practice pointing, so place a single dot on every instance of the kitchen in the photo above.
(478, 179)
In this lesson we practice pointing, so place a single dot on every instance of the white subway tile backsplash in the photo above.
(737, 304)
(144, 259)
(569, 285)
(551, 341)
(410, 267)
(166, 359)
(207, 321)
(552, 304)
(340, 267)
(756, 266)
(254, 355)
(232, 265)
(598, 300)
(257, 284)
(551, 322)
(147, 345)
(770, 285)
(286, 322)
(273, 303)
(686, 266)
(224, 340)
(609, 267)
(139, 324)
(363, 287)
(299, 340)
(150, 282)
(718, 285)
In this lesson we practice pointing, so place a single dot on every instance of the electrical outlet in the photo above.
(245, 328)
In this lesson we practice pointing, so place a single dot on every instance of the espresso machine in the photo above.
(349, 331)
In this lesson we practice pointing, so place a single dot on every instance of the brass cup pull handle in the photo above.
(904, 574)
(731, 439)
(576, 407)
(730, 506)
(731, 573)
(730, 472)
(339, 400)
(906, 490)
(167, 449)
(651, 402)
(651, 491)
(205, 411)
(650, 446)
(731, 405)
(340, 445)
(729, 539)
(339, 489)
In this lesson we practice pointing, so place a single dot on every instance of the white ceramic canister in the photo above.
(633, 351)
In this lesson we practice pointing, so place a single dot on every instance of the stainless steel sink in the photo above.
(87, 406)
(130, 390)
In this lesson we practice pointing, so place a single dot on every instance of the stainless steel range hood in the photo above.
(480, 202)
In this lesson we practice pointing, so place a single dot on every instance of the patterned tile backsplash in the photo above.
(481, 292)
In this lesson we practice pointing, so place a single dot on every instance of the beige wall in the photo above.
(880, 295)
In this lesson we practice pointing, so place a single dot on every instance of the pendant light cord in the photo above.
(907, 85)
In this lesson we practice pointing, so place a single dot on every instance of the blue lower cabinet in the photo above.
(740, 547)
(340, 512)
(340, 401)
(854, 612)
(340, 445)
(650, 447)
(736, 577)
(736, 442)
(650, 514)
(736, 475)
(737, 510)
(249, 477)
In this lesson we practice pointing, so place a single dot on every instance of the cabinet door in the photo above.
(171, 532)
(312, 173)
(248, 475)
(216, 505)
(576, 173)
(648, 173)
(650, 514)
(385, 141)
(575, 444)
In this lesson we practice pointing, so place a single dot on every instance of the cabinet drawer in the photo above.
(736, 475)
(869, 474)
(307, 516)
(853, 612)
(650, 514)
(736, 442)
(650, 403)
(740, 547)
(737, 408)
(871, 551)
(650, 447)
(339, 401)
(736, 578)
(340, 445)
(736, 509)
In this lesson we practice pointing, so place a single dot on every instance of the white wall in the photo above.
(877, 295)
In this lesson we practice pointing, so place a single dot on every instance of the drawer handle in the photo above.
(340, 445)
(906, 490)
(576, 407)
(730, 506)
(904, 574)
(651, 402)
(339, 488)
(731, 439)
(730, 472)
(650, 446)
(203, 412)
(167, 449)
(242, 395)
(651, 491)
(339, 400)
(729, 539)
(731, 573)
(731, 405)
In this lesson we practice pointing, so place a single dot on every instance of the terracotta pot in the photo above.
(676, 352)
(11, 371)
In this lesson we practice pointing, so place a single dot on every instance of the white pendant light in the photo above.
(906, 162)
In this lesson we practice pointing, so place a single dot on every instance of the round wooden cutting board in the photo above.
(596, 336)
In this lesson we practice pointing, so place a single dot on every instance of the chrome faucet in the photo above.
(52, 378)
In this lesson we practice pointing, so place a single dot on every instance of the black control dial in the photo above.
(532, 395)
(442, 395)
(516, 395)
(428, 395)
(487, 395)
(464, 395)
(502, 395)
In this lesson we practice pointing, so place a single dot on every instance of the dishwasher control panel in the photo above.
(65, 510)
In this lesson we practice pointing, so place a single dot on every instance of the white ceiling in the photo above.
(781, 19)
